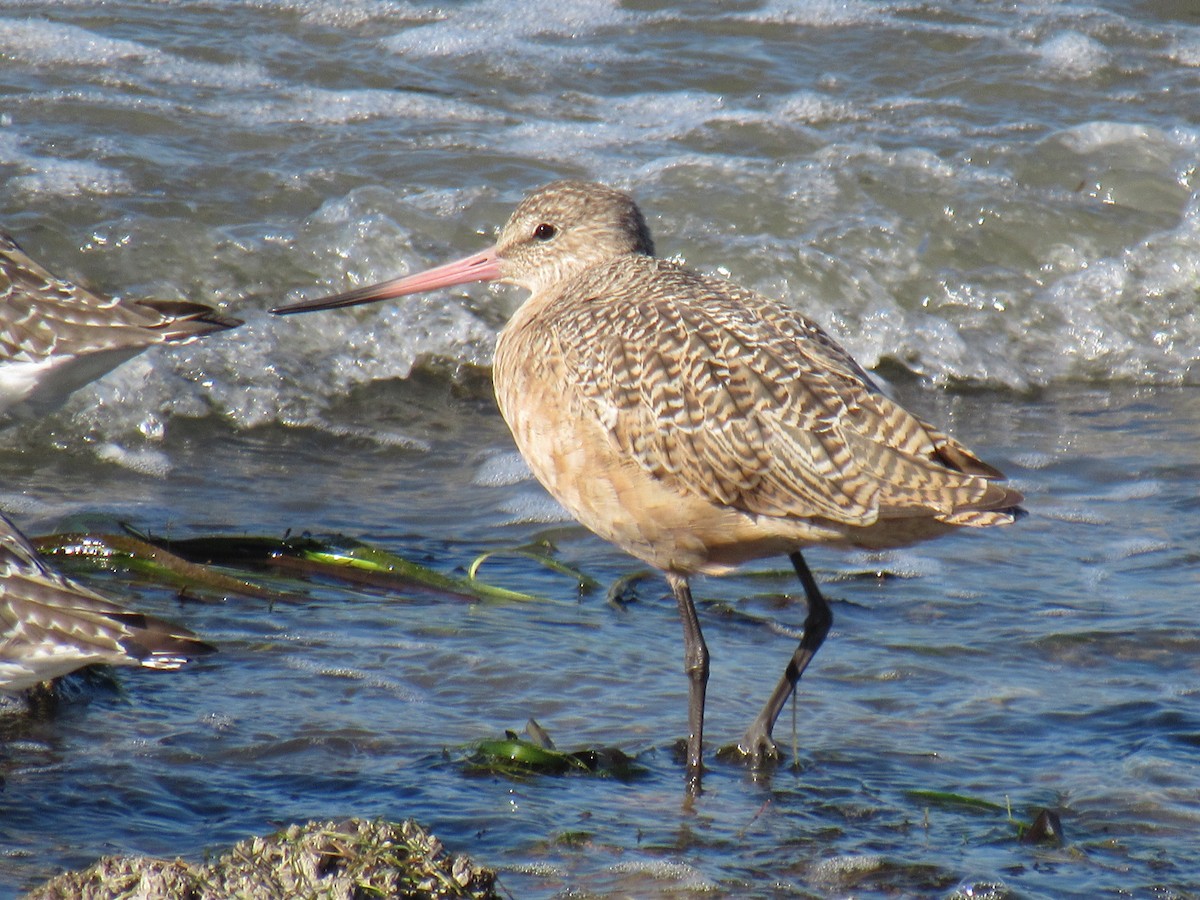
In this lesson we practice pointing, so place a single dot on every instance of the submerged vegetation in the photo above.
(225, 564)
(514, 757)
(1046, 828)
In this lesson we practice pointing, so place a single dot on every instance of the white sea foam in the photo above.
(317, 106)
(810, 107)
(533, 507)
(46, 43)
(1186, 52)
(66, 178)
(820, 13)
(338, 13)
(508, 34)
(1073, 55)
(1098, 137)
(46, 174)
(502, 469)
(145, 460)
(114, 61)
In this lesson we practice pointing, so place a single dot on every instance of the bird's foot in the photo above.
(756, 748)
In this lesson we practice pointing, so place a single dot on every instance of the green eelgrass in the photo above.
(190, 563)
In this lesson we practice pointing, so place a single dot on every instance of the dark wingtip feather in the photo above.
(185, 319)
(157, 643)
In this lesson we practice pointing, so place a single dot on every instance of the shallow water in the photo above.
(995, 204)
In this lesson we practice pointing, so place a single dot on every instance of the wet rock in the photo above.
(333, 860)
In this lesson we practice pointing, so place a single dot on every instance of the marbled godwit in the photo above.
(49, 625)
(55, 337)
(695, 424)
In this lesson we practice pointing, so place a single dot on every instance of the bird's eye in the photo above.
(544, 232)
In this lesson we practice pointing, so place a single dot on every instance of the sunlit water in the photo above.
(993, 202)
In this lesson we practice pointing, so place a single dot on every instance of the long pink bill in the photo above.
(483, 266)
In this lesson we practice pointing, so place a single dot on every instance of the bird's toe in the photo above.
(757, 749)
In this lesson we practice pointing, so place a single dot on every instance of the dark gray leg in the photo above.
(695, 665)
(757, 742)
